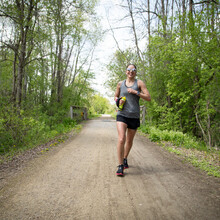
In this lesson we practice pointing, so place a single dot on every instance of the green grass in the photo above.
(204, 165)
(55, 136)
(187, 147)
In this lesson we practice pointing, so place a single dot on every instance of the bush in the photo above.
(22, 131)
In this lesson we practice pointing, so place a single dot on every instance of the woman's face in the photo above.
(131, 71)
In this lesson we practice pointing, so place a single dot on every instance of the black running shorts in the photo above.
(132, 123)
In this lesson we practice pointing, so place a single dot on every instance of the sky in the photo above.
(111, 12)
(104, 52)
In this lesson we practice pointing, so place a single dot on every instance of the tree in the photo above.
(46, 53)
(100, 104)
(22, 15)
(182, 69)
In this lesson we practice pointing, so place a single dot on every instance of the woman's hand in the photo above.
(122, 101)
(130, 90)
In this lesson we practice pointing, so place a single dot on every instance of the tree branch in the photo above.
(140, 10)
(203, 133)
(8, 16)
(208, 1)
(113, 35)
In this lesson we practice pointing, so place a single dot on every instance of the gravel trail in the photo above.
(78, 181)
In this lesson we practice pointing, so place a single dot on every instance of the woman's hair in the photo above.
(132, 65)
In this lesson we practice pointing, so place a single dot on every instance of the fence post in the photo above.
(85, 113)
(71, 112)
(143, 112)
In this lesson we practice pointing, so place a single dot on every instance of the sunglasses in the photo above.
(128, 69)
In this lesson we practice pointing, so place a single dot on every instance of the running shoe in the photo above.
(125, 164)
(120, 170)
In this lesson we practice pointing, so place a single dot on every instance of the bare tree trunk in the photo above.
(213, 17)
(172, 6)
(208, 125)
(149, 33)
(164, 19)
(21, 65)
(74, 67)
(134, 28)
(148, 16)
(25, 85)
(59, 72)
(14, 90)
(24, 26)
(184, 6)
(87, 73)
(60, 51)
(183, 21)
(54, 69)
(184, 15)
(207, 138)
(191, 7)
(21, 58)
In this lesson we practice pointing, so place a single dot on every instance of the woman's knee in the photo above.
(121, 140)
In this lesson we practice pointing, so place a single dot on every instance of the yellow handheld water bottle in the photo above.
(122, 104)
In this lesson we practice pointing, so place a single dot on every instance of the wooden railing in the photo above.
(78, 113)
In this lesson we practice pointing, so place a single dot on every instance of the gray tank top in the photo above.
(131, 107)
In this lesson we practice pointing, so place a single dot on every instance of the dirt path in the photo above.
(78, 181)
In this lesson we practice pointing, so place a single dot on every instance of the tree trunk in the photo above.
(25, 13)
(164, 19)
(14, 90)
(183, 18)
(172, 6)
(59, 73)
(191, 7)
(21, 65)
(134, 28)
(148, 17)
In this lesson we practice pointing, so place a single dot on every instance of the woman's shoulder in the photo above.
(140, 82)
(119, 83)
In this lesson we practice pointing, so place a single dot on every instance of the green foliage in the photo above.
(184, 79)
(176, 137)
(187, 147)
(53, 65)
(25, 131)
(100, 105)
(204, 165)
(117, 67)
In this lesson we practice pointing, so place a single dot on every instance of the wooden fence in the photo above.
(78, 113)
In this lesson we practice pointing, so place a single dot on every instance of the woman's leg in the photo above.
(129, 141)
(121, 127)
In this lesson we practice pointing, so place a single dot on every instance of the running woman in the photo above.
(128, 119)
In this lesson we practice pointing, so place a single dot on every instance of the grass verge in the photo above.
(187, 148)
(47, 145)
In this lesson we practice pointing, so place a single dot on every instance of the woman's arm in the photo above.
(117, 92)
(144, 94)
